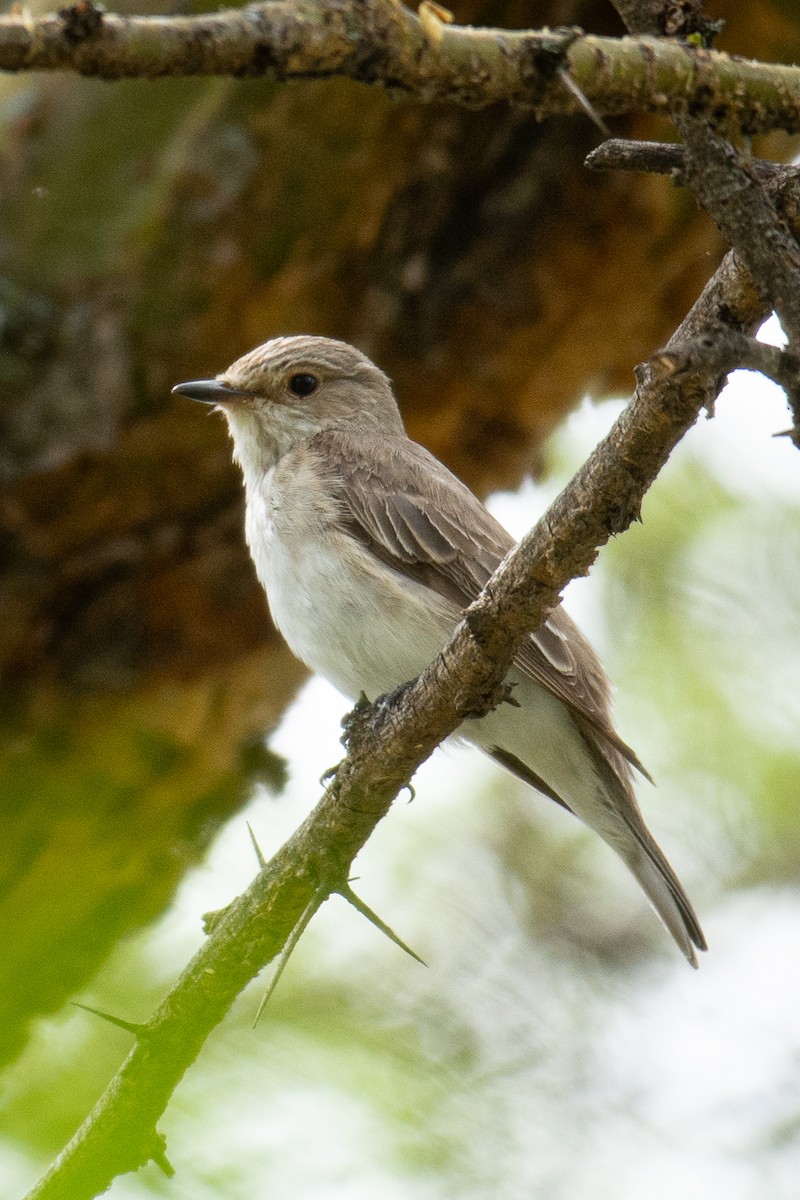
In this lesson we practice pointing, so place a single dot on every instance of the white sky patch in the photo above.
(739, 445)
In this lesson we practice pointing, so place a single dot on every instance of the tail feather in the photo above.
(637, 847)
(663, 889)
(591, 778)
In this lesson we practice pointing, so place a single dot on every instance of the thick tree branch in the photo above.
(723, 182)
(388, 740)
(381, 41)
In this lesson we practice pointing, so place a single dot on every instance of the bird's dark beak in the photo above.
(208, 391)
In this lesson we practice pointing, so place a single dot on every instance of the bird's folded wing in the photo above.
(414, 515)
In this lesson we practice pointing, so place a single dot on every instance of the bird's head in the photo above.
(282, 393)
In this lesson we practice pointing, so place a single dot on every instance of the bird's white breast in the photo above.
(366, 628)
(342, 612)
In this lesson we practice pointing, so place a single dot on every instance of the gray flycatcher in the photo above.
(368, 549)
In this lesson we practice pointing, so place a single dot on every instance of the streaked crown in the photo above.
(279, 358)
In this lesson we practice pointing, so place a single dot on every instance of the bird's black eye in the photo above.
(303, 385)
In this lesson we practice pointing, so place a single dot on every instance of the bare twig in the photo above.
(668, 158)
(727, 350)
(383, 42)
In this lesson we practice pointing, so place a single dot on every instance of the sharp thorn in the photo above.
(584, 102)
(262, 862)
(128, 1026)
(314, 904)
(273, 983)
(373, 918)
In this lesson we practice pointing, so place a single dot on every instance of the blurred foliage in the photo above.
(710, 591)
(93, 845)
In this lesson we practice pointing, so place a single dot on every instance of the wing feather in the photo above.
(419, 519)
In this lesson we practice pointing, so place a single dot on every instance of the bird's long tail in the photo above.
(620, 823)
(663, 889)
(621, 826)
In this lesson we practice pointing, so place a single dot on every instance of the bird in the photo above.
(369, 548)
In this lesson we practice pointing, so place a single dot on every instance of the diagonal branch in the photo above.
(386, 743)
(383, 42)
